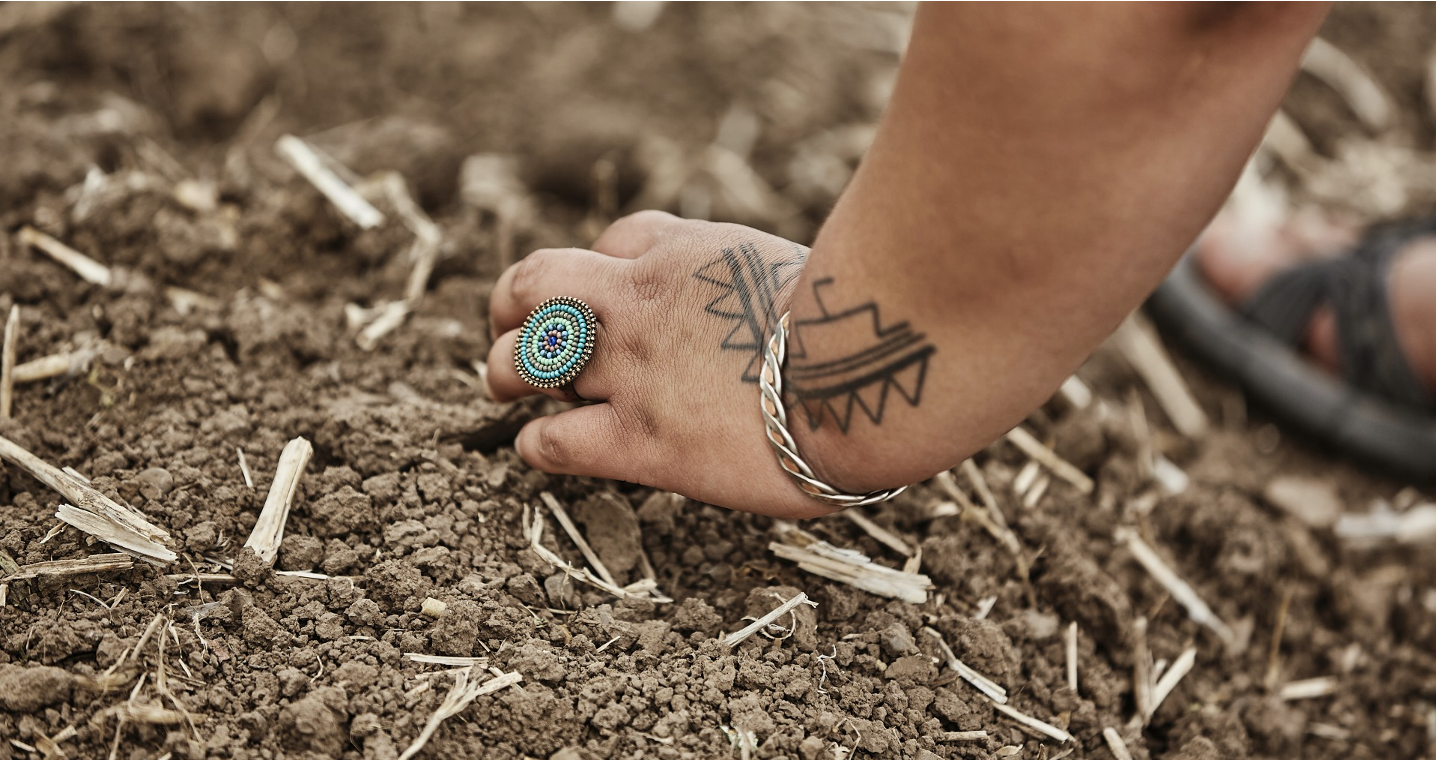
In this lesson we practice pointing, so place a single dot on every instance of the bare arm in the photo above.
(1039, 170)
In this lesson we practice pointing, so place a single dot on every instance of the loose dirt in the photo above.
(143, 136)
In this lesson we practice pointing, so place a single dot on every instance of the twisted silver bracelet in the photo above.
(775, 420)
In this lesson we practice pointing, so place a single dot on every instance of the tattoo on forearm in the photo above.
(877, 360)
(748, 282)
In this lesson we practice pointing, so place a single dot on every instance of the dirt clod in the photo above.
(27, 688)
(312, 724)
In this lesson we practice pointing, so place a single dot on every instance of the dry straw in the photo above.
(1060, 467)
(7, 362)
(991, 689)
(308, 163)
(93, 512)
(737, 637)
(1180, 590)
(854, 568)
(460, 696)
(96, 563)
(1140, 346)
(269, 529)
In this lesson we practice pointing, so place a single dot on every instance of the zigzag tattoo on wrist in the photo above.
(857, 362)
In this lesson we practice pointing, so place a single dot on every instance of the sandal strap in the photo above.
(1357, 287)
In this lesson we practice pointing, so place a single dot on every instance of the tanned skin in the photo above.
(1040, 168)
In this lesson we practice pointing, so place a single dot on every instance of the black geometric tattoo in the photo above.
(893, 358)
(748, 284)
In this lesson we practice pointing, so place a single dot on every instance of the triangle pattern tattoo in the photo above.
(745, 284)
(873, 363)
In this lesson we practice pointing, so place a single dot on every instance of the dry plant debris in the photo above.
(991, 517)
(849, 566)
(1310, 688)
(533, 526)
(1116, 744)
(1054, 523)
(74, 362)
(88, 269)
(1173, 676)
(269, 529)
(1072, 656)
(1180, 590)
(561, 515)
(244, 468)
(308, 163)
(460, 696)
(453, 661)
(879, 533)
(95, 563)
(1039, 726)
(7, 361)
(93, 512)
(1416, 525)
(1367, 98)
(737, 637)
(991, 689)
(1059, 466)
(1142, 678)
(1139, 343)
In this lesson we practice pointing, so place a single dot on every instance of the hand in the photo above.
(684, 308)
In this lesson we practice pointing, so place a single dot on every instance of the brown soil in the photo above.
(415, 490)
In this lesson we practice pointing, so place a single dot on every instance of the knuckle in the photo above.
(646, 218)
(648, 285)
(531, 271)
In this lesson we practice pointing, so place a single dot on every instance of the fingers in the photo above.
(548, 272)
(632, 236)
(595, 383)
(591, 441)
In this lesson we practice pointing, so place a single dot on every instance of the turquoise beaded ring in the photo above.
(555, 343)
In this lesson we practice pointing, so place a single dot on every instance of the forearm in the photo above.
(1036, 175)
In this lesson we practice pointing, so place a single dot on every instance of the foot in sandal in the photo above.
(1240, 262)
(1330, 326)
